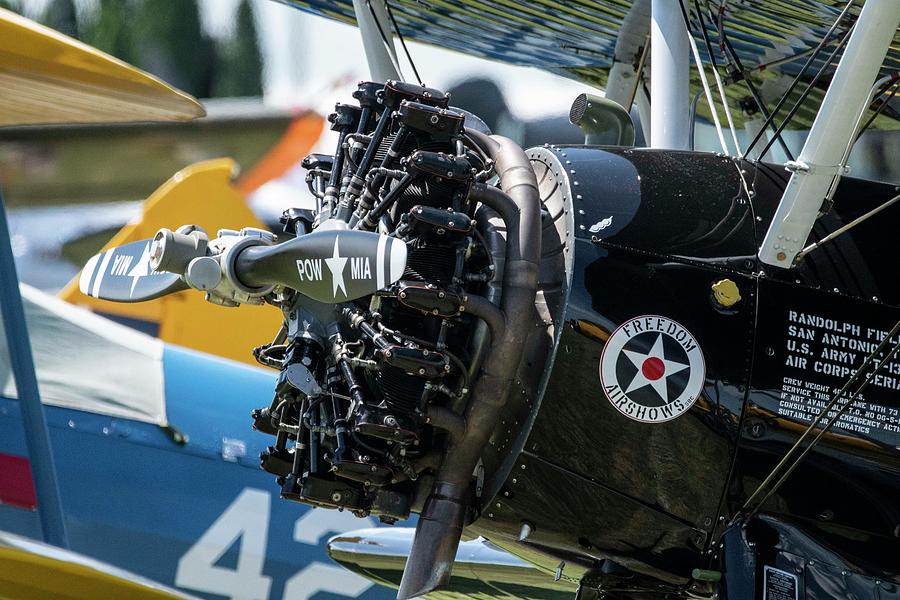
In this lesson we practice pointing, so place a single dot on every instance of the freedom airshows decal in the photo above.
(652, 369)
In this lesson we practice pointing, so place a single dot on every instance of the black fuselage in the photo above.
(620, 488)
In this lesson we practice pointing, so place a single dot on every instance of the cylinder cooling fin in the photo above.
(428, 384)
(423, 300)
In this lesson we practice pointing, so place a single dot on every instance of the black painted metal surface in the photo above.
(634, 505)
(779, 560)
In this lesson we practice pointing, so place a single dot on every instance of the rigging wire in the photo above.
(810, 87)
(715, 70)
(737, 65)
(748, 508)
(825, 41)
(639, 71)
(703, 81)
(780, 61)
(881, 107)
(845, 228)
(403, 42)
(693, 116)
(878, 90)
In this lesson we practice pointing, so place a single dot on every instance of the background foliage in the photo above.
(165, 37)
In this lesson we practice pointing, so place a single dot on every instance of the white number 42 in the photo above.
(247, 519)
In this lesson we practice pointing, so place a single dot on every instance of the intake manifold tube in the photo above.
(443, 516)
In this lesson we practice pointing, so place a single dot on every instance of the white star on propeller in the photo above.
(141, 269)
(336, 265)
(653, 369)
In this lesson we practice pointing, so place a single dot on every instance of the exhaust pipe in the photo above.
(444, 515)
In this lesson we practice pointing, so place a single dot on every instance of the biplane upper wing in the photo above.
(46, 77)
(577, 38)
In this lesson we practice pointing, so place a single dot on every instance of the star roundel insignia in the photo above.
(336, 265)
(141, 269)
(652, 369)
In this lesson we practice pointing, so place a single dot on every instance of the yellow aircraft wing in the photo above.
(30, 570)
(47, 77)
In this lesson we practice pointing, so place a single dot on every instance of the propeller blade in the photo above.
(328, 266)
(123, 274)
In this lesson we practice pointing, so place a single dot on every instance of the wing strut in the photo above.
(819, 164)
(378, 43)
(37, 437)
(669, 77)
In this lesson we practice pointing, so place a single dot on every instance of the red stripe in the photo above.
(16, 484)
